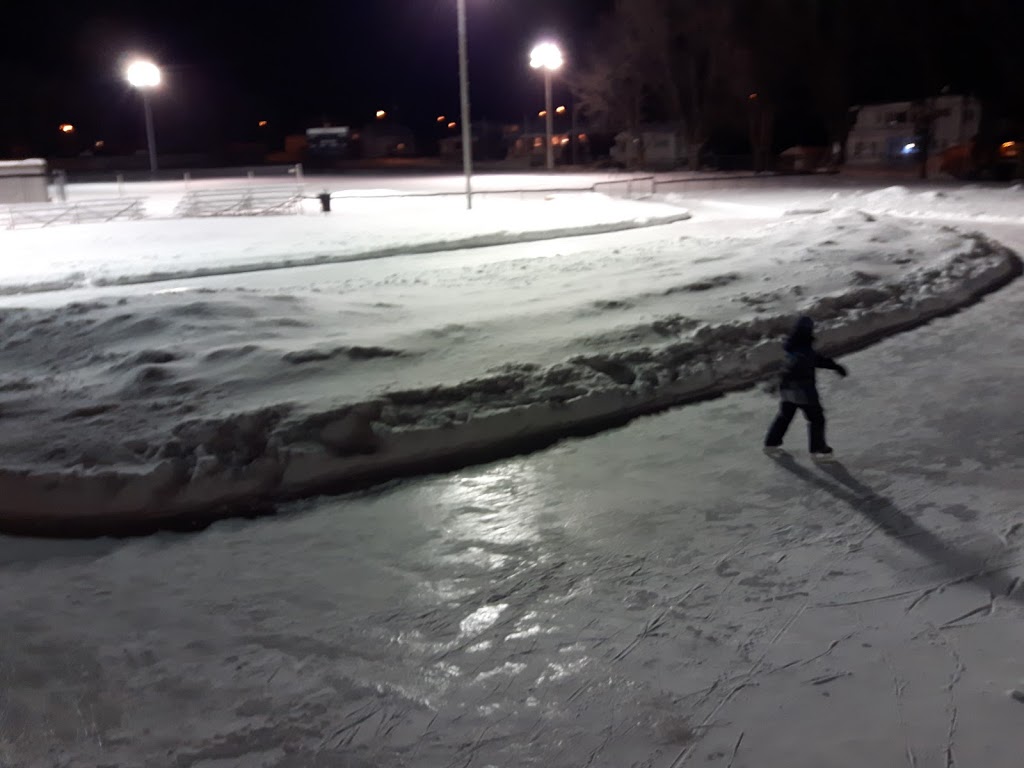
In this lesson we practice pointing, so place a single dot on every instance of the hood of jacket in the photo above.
(802, 335)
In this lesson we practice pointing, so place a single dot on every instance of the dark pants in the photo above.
(815, 425)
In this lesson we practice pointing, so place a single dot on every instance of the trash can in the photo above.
(325, 201)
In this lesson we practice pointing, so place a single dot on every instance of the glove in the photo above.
(841, 370)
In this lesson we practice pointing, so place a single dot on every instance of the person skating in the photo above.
(798, 390)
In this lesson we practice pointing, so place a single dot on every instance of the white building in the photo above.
(885, 134)
(656, 145)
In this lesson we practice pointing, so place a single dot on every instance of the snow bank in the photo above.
(982, 204)
(108, 432)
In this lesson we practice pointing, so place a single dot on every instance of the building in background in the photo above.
(654, 145)
(893, 134)
(385, 139)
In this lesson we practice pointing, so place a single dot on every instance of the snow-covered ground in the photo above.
(201, 394)
(359, 228)
(661, 595)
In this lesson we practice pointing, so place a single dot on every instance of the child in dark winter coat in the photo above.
(799, 391)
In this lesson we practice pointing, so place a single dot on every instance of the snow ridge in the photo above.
(215, 467)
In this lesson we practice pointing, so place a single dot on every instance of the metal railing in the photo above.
(49, 214)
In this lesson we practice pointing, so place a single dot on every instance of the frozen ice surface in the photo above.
(660, 595)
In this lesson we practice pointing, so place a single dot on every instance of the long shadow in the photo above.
(961, 564)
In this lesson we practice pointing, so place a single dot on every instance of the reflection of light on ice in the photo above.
(556, 671)
(525, 629)
(479, 557)
(481, 619)
(527, 632)
(449, 590)
(508, 668)
(499, 504)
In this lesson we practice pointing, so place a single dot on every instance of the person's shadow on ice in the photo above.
(959, 563)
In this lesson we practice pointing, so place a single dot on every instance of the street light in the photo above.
(548, 57)
(145, 75)
(467, 131)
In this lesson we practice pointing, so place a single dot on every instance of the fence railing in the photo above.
(49, 214)
(267, 200)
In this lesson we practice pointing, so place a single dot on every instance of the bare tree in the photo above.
(674, 59)
(708, 72)
(612, 85)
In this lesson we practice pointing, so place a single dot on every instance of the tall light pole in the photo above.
(548, 57)
(145, 75)
(467, 130)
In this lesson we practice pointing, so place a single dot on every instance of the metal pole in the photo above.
(549, 117)
(574, 136)
(467, 131)
(150, 133)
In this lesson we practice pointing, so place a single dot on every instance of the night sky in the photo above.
(231, 64)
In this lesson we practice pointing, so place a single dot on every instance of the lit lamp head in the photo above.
(546, 56)
(143, 74)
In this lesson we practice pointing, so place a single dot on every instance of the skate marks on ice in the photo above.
(961, 564)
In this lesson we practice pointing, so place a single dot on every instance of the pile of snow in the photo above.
(147, 407)
(121, 253)
(982, 204)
